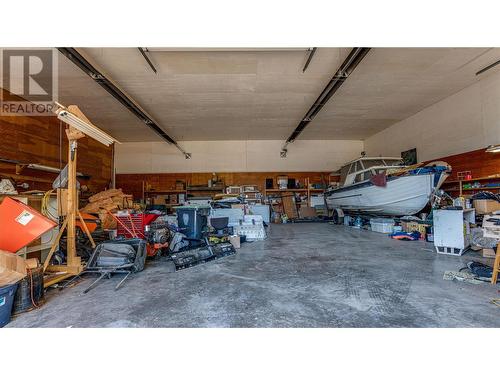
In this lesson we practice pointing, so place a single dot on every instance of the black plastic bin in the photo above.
(192, 220)
(6, 301)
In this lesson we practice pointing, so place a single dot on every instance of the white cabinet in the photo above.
(452, 230)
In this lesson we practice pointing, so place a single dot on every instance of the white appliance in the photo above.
(452, 233)
(262, 210)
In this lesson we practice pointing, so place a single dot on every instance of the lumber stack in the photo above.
(108, 201)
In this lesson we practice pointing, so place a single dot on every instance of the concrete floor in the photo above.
(303, 275)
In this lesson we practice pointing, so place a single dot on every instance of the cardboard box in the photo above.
(486, 206)
(160, 199)
(235, 241)
(413, 226)
(488, 253)
(306, 211)
(12, 268)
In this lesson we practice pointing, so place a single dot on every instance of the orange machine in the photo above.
(90, 220)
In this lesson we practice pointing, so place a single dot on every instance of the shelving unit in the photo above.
(152, 192)
(207, 188)
(307, 190)
(458, 185)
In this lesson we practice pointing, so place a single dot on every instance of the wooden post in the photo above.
(496, 266)
(55, 244)
(73, 264)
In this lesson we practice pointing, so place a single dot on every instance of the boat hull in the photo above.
(404, 195)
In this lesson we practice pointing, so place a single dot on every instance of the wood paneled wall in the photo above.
(132, 183)
(479, 162)
(41, 140)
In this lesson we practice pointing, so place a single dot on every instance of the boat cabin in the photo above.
(364, 168)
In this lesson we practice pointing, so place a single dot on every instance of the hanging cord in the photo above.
(46, 205)
(31, 289)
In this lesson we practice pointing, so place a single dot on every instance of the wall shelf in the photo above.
(458, 185)
(203, 188)
(479, 188)
(165, 192)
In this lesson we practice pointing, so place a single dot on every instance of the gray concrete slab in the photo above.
(303, 275)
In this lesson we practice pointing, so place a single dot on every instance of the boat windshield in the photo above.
(372, 163)
(379, 170)
(391, 163)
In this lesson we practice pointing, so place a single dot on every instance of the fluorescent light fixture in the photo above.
(46, 168)
(492, 148)
(65, 115)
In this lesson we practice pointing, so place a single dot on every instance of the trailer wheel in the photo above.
(336, 217)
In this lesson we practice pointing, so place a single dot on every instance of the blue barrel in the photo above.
(6, 301)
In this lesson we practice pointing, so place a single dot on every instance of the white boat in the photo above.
(392, 195)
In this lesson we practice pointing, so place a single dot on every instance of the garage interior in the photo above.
(254, 187)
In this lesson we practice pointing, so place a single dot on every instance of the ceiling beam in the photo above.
(309, 58)
(488, 67)
(148, 60)
(341, 75)
(74, 56)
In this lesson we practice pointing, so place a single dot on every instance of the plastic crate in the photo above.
(251, 232)
(382, 225)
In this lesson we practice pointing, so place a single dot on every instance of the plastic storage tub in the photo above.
(382, 225)
(6, 301)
